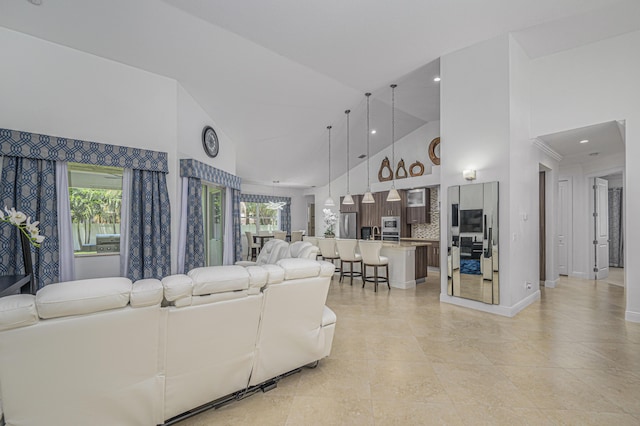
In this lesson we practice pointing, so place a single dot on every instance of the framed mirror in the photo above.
(472, 243)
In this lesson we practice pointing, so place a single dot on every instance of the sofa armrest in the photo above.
(328, 317)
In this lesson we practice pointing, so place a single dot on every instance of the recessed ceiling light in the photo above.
(584, 141)
(373, 132)
(436, 79)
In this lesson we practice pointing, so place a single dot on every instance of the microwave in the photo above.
(390, 224)
(416, 198)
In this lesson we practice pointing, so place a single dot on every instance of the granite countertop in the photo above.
(427, 240)
(406, 244)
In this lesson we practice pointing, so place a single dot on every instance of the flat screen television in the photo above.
(471, 220)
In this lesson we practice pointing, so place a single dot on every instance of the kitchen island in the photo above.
(402, 262)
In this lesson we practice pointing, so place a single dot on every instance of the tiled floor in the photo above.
(403, 358)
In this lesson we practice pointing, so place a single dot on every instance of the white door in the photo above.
(564, 224)
(601, 227)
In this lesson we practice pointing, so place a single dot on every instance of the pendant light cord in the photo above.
(393, 135)
(368, 134)
(347, 112)
(329, 127)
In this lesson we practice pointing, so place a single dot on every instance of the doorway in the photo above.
(542, 213)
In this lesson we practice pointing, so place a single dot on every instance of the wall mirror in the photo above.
(473, 242)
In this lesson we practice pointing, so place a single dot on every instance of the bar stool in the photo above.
(347, 253)
(328, 250)
(370, 251)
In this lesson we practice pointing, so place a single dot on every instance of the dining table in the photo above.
(262, 237)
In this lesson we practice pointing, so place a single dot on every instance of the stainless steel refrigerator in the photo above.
(348, 225)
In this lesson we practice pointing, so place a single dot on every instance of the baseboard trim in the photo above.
(505, 311)
(582, 275)
(632, 316)
(551, 283)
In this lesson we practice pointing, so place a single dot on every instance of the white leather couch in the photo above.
(275, 250)
(109, 352)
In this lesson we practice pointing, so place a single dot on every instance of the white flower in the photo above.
(15, 217)
(24, 225)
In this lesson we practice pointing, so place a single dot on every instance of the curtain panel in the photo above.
(616, 228)
(285, 213)
(190, 168)
(29, 186)
(194, 243)
(150, 226)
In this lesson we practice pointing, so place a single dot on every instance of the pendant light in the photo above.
(368, 196)
(348, 199)
(275, 205)
(329, 202)
(393, 193)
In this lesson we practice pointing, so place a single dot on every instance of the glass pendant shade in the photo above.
(368, 198)
(329, 202)
(348, 199)
(393, 195)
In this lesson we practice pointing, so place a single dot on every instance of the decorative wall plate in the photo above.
(385, 165)
(401, 168)
(420, 170)
(434, 151)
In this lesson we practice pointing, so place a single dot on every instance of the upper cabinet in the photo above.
(419, 214)
(351, 208)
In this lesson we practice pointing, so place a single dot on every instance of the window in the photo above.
(95, 196)
(213, 219)
(256, 217)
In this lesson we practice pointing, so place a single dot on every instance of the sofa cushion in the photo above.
(83, 297)
(218, 279)
(146, 292)
(299, 268)
(258, 277)
(17, 311)
(276, 273)
(177, 286)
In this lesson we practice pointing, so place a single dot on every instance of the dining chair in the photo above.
(347, 253)
(370, 251)
(328, 250)
(253, 248)
(280, 235)
(296, 236)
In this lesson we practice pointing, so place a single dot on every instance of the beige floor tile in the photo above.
(397, 348)
(452, 351)
(493, 416)
(336, 378)
(480, 385)
(405, 381)
(558, 388)
(589, 418)
(404, 413)
(307, 411)
(621, 387)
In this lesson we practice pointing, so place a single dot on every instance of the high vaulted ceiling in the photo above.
(273, 74)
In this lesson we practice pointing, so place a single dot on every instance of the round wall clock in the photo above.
(434, 151)
(210, 141)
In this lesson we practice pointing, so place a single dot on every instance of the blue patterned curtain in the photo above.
(191, 168)
(237, 233)
(194, 253)
(30, 187)
(616, 231)
(285, 213)
(150, 227)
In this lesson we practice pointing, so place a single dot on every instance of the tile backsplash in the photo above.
(431, 230)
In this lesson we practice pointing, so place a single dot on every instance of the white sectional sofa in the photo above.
(274, 250)
(109, 352)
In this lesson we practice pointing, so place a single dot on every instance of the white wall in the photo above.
(475, 127)
(594, 84)
(55, 90)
